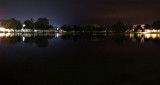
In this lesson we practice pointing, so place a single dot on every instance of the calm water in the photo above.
(80, 59)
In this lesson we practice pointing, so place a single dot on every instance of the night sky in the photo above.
(82, 12)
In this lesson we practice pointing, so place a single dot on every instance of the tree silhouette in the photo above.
(156, 24)
(29, 24)
(119, 27)
(66, 28)
(11, 24)
(42, 23)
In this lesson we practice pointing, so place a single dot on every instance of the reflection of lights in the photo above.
(144, 36)
(154, 36)
(23, 39)
(158, 36)
(57, 35)
(134, 40)
(139, 35)
(5, 35)
(2, 34)
(131, 35)
(147, 36)
(142, 40)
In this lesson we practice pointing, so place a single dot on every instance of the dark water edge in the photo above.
(80, 59)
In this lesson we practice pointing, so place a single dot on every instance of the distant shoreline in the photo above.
(81, 32)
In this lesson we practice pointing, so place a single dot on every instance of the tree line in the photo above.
(40, 23)
(43, 24)
(117, 27)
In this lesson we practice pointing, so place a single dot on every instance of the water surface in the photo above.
(80, 59)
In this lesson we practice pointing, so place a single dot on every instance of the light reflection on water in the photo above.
(144, 36)
(41, 39)
(85, 58)
(57, 35)
(28, 34)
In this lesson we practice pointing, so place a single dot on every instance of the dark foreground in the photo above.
(80, 59)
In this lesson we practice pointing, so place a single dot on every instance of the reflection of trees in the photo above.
(94, 36)
(40, 41)
(84, 36)
(11, 40)
(118, 38)
(66, 36)
(139, 38)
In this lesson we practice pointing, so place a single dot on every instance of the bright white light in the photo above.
(23, 39)
(57, 35)
(2, 34)
(22, 30)
(2, 29)
(24, 25)
(7, 30)
(8, 34)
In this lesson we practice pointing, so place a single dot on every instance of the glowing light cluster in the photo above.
(146, 36)
(153, 36)
(5, 34)
(2, 29)
(152, 31)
